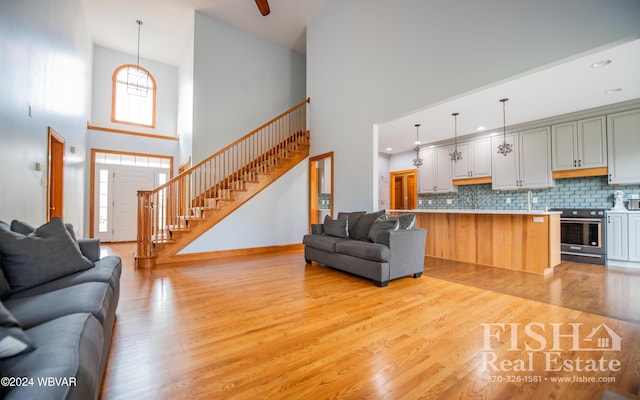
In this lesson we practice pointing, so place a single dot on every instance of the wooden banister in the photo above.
(168, 209)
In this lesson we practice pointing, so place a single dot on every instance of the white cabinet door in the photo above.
(535, 158)
(623, 146)
(505, 169)
(634, 236)
(592, 143)
(435, 172)
(444, 182)
(426, 173)
(579, 144)
(476, 159)
(564, 139)
(481, 158)
(617, 236)
(462, 168)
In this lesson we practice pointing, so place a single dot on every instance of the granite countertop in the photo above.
(479, 211)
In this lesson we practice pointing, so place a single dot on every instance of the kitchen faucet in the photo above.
(529, 197)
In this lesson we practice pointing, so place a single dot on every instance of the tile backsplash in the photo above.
(589, 192)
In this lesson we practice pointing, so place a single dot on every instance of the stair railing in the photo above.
(166, 211)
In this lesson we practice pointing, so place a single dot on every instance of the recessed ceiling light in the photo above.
(616, 90)
(389, 149)
(480, 128)
(601, 63)
(417, 142)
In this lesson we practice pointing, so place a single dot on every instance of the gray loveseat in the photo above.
(57, 312)
(375, 246)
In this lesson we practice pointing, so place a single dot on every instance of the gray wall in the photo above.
(369, 61)
(240, 81)
(45, 63)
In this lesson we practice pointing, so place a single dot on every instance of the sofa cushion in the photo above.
(67, 347)
(336, 227)
(46, 254)
(91, 297)
(381, 225)
(364, 250)
(107, 270)
(323, 242)
(13, 340)
(361, 231)
(353, 218)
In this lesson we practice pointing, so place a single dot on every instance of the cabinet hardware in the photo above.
(575, 163)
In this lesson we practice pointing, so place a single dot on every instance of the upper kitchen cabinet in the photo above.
(579, 145)
(623, 133)
(435, 172)
(476, 159)
(528, 166)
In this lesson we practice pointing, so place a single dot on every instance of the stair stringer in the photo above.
(212, 217)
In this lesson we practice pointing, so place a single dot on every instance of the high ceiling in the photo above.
(566, 86)
(167, 23)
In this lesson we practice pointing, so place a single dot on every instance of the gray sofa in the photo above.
(375, 246)
(57, 312)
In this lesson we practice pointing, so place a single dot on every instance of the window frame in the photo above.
(114, 82)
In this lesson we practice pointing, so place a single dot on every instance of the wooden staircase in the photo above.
(178, 212)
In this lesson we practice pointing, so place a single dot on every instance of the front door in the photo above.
(117, 193)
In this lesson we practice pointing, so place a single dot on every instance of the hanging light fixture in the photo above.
(137, 79)
(505, 148)
(417, 162)
(456, 155)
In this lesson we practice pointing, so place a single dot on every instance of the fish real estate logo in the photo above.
(545, 347)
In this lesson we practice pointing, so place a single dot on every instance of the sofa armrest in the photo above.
(90, 248)
(317, 229)
(407, 252)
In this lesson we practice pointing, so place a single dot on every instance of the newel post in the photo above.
(145, 253)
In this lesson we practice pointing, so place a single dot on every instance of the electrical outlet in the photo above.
(429, 202)
(449, 201)
(534, 200)
(508, 200)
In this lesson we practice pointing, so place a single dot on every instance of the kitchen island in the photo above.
(518, 240)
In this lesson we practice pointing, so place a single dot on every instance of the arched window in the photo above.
(133, 96)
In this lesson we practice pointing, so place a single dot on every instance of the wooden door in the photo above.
(55, 175)
(403, 189)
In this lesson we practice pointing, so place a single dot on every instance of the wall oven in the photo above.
(582, 235)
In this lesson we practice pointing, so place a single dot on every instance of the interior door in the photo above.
(55, 174)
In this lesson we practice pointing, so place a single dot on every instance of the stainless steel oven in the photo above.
(582, 235)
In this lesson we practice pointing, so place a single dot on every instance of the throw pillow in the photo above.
(13, 340)
(25, 228)
(5, 288)
(337, 227)
(42, 256)
(407, 221)
(353, 217)
(380, 225)
(364, 225)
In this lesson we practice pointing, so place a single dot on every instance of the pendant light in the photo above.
(505, 148)
(417, 162)
(456, 155)
(137, 79)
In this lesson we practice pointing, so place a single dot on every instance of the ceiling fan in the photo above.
(263, 6)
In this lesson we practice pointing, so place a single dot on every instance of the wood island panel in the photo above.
(510, 241)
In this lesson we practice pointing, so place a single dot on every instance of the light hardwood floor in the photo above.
(272, 327)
